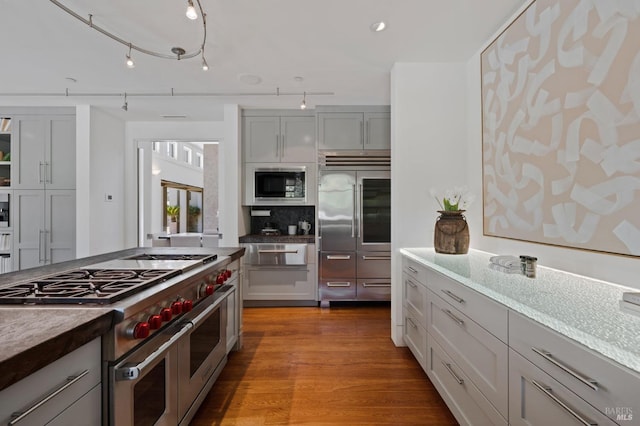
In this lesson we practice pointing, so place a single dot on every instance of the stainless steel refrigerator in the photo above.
(354, 228)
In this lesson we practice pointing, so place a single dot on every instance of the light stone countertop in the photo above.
(581, 308)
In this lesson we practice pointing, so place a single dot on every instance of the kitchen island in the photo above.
(34, 336)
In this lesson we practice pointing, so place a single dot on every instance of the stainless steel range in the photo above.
(168, 343)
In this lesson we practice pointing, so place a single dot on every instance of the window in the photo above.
(172, 150)
(199, 162)
(188, 155)
(155, 146)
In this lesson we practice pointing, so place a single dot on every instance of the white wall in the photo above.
(428, 150)
(99, 171)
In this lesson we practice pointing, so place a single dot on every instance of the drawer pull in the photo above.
(71, 380)
(414, 270)
(376, 285)
(453, 296)
(547, 391)
(338, 257)
(338, 284)
(453, 373)
(411, 283)
(453, 317)
(411, 323)
(593, 384)
(275, 251)
(376, 257)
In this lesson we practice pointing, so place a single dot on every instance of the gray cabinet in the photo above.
(43, 152)
(277, 138)
(354, 130)
(44, 227)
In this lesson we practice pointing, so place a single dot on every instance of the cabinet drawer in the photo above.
(538, 399)
(415, 297)
(337, 289)
(374, 289)
(74, 375)
(464, 400)
(615, 388)
(374, 265)
(489, 314)
(279, 283)
(482, 356)
(414, 270)
(415, 336)
(337, 265)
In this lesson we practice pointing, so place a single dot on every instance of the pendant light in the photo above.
(191, 11)
(129, 62)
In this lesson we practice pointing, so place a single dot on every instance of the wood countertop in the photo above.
(34, 336)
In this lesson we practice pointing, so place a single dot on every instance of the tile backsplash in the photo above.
(282, 216)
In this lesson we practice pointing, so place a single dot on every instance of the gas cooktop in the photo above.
(80, 286)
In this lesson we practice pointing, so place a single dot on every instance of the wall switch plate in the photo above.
(108, 198)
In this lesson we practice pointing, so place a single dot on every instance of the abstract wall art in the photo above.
(561, 126)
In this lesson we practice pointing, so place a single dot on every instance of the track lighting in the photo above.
(130, 63)
(303, 104)
(125, 106)
(205, 66)
(191, 11)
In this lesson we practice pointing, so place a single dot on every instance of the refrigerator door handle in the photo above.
(359, 198)
(353, 217)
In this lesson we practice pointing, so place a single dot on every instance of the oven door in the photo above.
(202, 353)
(143, 387)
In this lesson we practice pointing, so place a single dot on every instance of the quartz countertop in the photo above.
(33, 336)
(278, 239)
(581, 308)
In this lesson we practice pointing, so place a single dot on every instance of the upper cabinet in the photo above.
(346, 128)
(43, 154)
(5, 151)
(278, 137)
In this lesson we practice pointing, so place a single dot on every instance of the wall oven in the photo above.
(163, 381)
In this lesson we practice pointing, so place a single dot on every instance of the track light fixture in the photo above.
(125, 106)
(303, 104)
(205, 66)
(192, 13)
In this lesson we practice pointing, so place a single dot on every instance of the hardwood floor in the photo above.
(321, 367)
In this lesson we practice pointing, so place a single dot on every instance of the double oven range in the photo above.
(168, 343)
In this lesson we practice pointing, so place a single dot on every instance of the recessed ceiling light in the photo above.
(376, 27)
(249, 79)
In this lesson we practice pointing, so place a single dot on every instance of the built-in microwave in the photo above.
(280, 184)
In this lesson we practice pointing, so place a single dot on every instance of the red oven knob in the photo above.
(166, 314)
(140, 330)
(155, 322)
(229, 273)
(209, 289)
(220, 279)
(187, 305)
(176, 307)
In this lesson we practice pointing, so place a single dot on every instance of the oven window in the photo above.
(149, 397)
(204, 339)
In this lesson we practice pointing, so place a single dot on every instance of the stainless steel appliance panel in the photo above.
(337, 289)
(373, 264)
(374, 289)
(337, 264)
(337, 224)
(276, 254)
(374, 210)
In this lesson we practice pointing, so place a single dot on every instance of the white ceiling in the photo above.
(326, 42)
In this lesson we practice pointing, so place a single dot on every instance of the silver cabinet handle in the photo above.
(376, 257)
(47, 172)
(360, 207)
(41, 249)
(353, 218)
(593, 384)
(414, 270)
(547, 391)
(453, 373)
(453, 317)
(338, 284)
(411, 283)
(277, 145)
(338, 257)
(376, 285)
(272, 251)
(362, 132)
(40, 174)
(367, 135)
(133, 372)
(411, 323)
(71, 380)
(453, 296)
(46, 241)
(282, 145)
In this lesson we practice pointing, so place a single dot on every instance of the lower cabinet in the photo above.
(538, 399)
(415, 336)
(67, 391)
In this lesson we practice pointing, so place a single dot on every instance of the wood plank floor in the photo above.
(313, 366)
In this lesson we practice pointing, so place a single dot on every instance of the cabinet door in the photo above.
(297, 137)
(337, 130)
(27, 154)
(28, 220)
(279, 283)
(261, 139)
(60, 225)
(60, 153)
(377, 130)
